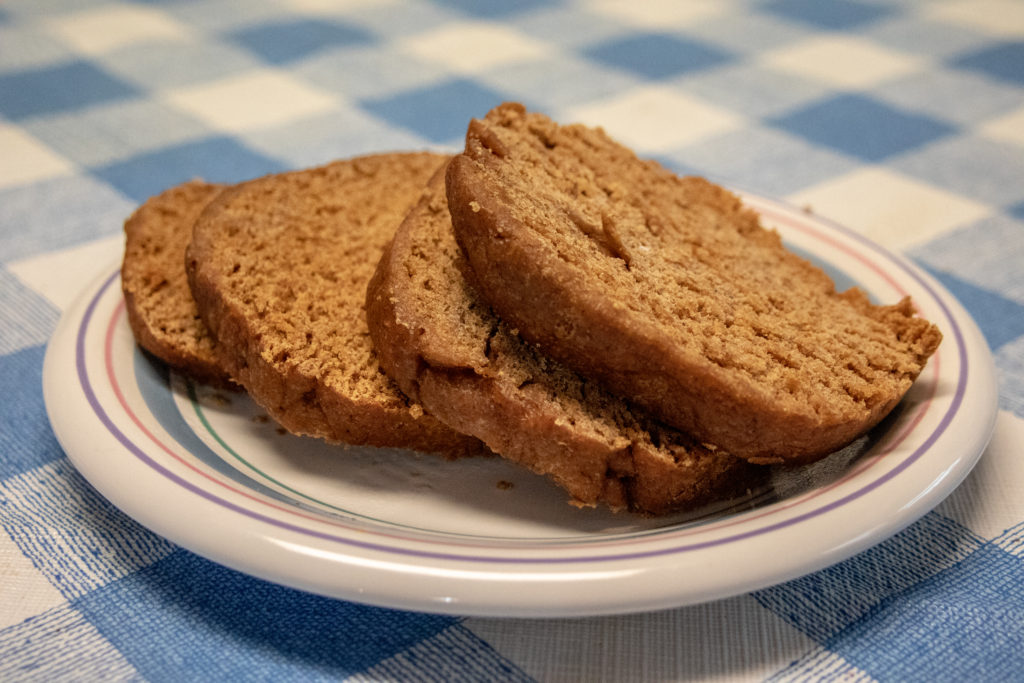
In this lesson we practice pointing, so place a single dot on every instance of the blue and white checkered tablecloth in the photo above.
(902, 120)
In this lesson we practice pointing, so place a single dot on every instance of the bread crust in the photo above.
(668, 291)
(161, 311)
(446, 348)
(278, 267)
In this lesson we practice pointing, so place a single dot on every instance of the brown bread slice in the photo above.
(160, 307)
(445, 348)
(669, 291)
(279, 267)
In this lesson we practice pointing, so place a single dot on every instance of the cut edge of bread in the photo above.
(161, 311)
(597, 337)
(303, 396)
(470, 385)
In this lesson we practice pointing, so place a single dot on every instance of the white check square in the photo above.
(1003, 18)
(653, 119)
(998, 475)
(76, 265)
(25, 591)
(250, 101)
(889, 208)
(107, 28)
(842, 62)
(473, 47)
(672, 648)
(25, 160)
(1006, 128)
(657, 14)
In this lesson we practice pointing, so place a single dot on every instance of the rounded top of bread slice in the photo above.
(161, 311)
(670, 291)
(446, 348)
(279, 266)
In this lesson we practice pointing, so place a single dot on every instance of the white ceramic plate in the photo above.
(209, 471)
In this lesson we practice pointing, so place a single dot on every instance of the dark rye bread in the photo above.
(161, 311)
(279, 267)
(671, 293)
(445, 348)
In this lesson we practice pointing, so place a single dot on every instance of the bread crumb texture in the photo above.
(668, 289)
(161, 311)
(445, 345)
(280, 265)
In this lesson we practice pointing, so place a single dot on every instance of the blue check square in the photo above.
(215, 159)
(493, 9)
(438, 112)
(657, 56)
(283, 42)
(59, 88)
(1004, 61)
(200, 609)
(26, 437)
(980, 620)
(1001, 320)
(862, 127)
(1017, 211)
(834, 14)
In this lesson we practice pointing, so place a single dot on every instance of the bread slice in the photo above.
(161, 311)
(279, 267)
(446, 348)
(670, 292)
